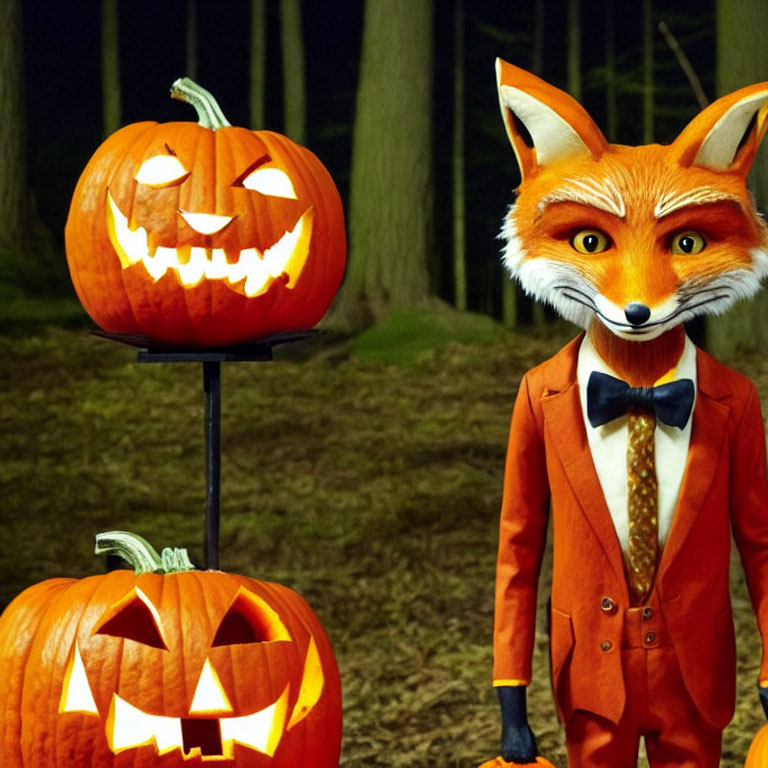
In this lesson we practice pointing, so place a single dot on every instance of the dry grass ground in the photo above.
(371, 488)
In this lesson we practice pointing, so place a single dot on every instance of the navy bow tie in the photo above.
(608, 398)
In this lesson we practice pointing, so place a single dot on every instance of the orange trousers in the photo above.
(658, 708)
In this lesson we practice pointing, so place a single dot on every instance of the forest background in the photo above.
(365, 470)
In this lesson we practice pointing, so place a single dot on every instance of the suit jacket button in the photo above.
(647, 613)
(608, 605)
(650, 638)
(606, 645)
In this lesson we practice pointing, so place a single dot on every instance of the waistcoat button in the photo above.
(606, 645)
(608, 605)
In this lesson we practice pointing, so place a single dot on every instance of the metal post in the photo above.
(211, 358)
(212, 389)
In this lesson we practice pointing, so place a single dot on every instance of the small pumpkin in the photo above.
(204, 234)
(166, 666)
(500, 762)
(757, 757)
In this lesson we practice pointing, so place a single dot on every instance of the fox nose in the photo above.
(637, 313)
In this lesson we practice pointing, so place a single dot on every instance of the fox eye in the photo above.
(688, 243)
(590, 241)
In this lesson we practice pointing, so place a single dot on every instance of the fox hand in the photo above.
(763, 693)
(518, 744)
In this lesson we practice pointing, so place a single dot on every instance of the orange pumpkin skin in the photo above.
(500, 762)
(45, 626)
(757, 757)
(221, 309)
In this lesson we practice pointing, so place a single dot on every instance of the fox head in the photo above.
(643, 238)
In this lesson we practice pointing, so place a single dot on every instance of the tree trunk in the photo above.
(574, 49)
(258, 61)
(27, 257)
(293, 70)
(648, 99)
(611, 109)
(391, 193)
(459, 223)
(742, 59)
(14, 196)
(110, 68)
(190, 70)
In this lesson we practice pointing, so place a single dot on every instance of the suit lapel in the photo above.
(564, 425)
(710, 419)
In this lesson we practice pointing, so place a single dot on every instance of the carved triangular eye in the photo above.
(250, 620)
(134, 618)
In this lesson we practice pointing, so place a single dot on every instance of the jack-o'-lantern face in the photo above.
(204, 234)
(177, 669)
(202, 722)
(169, 227)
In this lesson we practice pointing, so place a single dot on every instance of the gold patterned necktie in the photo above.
(642, 505)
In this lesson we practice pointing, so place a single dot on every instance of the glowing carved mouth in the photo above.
(209, 738)
(253, 272)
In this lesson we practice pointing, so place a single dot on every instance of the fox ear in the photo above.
(726, 135)
(544, 124)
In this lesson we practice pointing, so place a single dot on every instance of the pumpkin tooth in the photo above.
(217, 268)
(158, 264)
(152, 243)
(262, 730)
(183, 252)
(232, 257)
(300, 237)
(128, 726)
(256, 273)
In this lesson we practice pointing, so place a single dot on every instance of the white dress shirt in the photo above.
(608, 445)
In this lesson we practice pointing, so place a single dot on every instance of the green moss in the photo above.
(408, 334)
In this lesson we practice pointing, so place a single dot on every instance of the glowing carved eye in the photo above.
(161, 171)
(590, 241)
(270, 181)
(689, 243)
(250, 620)
(134, 618)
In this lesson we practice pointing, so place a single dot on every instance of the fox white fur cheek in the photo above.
(544, 279)
(513, 253)
(561, 286)
(759, 262)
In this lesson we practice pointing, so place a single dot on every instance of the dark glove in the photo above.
(518, 744)
(763, 693)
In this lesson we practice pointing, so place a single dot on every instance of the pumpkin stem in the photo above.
(209, 113)
(139, 553)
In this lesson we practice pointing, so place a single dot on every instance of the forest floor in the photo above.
(367, 477)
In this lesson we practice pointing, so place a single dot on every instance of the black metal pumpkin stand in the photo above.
(211, 359)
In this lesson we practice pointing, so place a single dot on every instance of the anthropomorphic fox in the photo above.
(645, 451)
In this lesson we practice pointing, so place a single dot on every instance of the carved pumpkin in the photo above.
(165, 667)
(757, 757)
(204, 234)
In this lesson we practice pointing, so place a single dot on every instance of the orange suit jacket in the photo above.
(724, 489)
